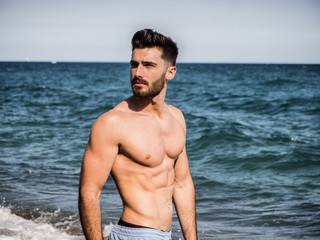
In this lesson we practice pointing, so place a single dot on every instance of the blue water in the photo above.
(253, 141)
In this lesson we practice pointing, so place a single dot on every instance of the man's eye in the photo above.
(149, 65)
(134, 65)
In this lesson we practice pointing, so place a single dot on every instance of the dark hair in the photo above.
(148, 38)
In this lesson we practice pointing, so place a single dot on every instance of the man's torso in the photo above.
(144, 167)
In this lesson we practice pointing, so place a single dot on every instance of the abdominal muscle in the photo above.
(146, 191)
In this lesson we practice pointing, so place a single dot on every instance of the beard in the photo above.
(154, 88)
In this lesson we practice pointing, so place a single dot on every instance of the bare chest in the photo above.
(148, 143)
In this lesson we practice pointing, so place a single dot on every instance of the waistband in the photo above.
(127, 224)
(122, 232)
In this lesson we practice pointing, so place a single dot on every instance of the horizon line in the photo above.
(182, 62)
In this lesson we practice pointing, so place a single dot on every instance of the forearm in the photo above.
(184, 199)
(90, 217)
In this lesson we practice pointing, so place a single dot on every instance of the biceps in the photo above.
(182, 171)
(96, 166)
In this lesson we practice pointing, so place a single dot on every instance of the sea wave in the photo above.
(18, 224)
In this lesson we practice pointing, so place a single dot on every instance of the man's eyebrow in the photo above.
(148, 63)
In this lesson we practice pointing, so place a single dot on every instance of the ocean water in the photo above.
(253, 142)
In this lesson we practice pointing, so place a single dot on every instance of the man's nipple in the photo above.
(148, 156)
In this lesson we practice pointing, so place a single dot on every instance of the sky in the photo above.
(211, 31)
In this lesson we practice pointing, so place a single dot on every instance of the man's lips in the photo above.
(139, 84)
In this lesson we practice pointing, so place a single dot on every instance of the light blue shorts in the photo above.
(119, 232)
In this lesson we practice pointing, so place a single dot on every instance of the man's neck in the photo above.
(149, 105)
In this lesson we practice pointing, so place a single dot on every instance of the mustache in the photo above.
(139, 80)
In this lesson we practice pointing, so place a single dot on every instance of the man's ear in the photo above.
(171, 72)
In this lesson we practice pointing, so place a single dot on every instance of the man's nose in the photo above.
(139, 71)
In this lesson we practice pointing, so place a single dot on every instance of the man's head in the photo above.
(148, 38)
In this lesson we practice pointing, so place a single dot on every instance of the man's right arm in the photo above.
(97, 163)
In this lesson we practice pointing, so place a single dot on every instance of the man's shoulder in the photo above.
(174, 109)
(109, 125)
(112, 116)
(177, 113)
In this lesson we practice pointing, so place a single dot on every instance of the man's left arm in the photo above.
(184, 197)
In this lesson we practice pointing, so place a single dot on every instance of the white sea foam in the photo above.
(13, 227)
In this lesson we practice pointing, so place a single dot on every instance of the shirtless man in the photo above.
(141, 143)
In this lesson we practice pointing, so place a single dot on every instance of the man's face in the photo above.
(148, 72)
